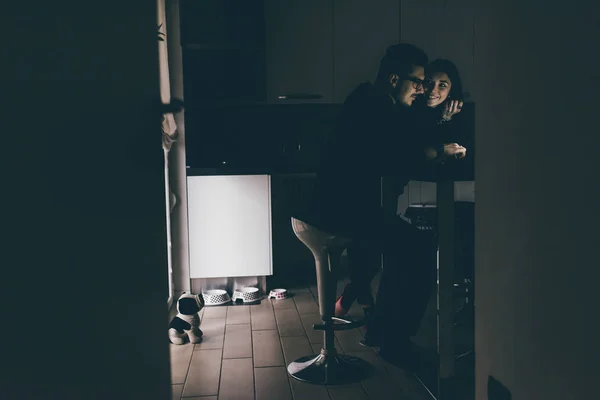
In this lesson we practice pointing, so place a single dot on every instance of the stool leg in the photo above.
(326, 284)
(326, 287)
(328, 367)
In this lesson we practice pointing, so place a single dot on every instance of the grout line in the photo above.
(283, 352)
(222, 352)
(252, 351)
(188, 370)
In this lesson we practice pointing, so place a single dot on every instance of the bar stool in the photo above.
(328, 367)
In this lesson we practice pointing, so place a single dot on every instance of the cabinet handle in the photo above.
(299, 96)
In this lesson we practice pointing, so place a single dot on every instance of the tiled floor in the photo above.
(246, 349)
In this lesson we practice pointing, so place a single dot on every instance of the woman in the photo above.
(442, 101)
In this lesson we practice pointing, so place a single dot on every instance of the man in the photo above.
(375, 138)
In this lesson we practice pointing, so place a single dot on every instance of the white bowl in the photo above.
(247, 293)
(215, 297)
(278, 294)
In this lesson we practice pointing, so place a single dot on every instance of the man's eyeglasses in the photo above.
(416, 82)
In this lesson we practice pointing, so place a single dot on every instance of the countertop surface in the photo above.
(247, 171)
(450, 171)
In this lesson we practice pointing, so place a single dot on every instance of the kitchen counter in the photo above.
(249, 171)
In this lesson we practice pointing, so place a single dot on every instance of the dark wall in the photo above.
(537, 200)
(84, 273)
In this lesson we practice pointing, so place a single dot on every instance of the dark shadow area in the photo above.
(496, 390)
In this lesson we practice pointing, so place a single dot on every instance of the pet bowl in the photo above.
(247, 293)
(278, 294)
(215, 297)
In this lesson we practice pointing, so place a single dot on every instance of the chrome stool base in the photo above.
(329, 369)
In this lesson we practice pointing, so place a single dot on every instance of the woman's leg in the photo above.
(364, 262)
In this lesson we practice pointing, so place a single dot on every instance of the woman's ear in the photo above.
(394, 79)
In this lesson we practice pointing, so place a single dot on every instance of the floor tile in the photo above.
(172, 311)
(306, 303)
(237, 380)
(213, 330)
(350, 340)
(204, 374)
(295, 347)
(380, 385)
(348, 392)
(215, 312)
(308, 391)
(283, 304)
(288, 322)
(238, 341)
(201, 398)
(262, 317)
(302, 289)
(264, 305)
(246, 350)
(316, 347)
(308, 320)
(238, 315)
(266, 348)
(411, 388)
(314, 291)
(180, 362)
(176, 391)
(272, 383)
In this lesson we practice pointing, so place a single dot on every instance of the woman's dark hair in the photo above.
(447, 67)
(399, 59)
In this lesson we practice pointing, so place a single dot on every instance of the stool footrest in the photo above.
(342, 325)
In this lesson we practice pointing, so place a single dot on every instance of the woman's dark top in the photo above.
(460, 129)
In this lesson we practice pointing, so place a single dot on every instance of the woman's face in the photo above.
(440, 89)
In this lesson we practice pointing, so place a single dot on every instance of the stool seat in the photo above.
(328, 367)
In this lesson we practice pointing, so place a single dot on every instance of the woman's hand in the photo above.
(455, 149)
(451, 108)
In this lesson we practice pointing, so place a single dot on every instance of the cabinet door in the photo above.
(444, 29)
(229, 223)
(362, 32)
(293, 263)
(229, 24)
(299, 59)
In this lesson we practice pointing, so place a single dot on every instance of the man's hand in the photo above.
(451, 108)
(454, 149)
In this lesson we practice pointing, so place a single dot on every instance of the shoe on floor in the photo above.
(370, 329)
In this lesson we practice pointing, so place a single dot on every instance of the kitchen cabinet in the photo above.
(229, 224)
(222, 24)
(444, 29)
(312, 51)
(298, 46)
(292, 260)
(325, 47)
(223, 51)
(362, 32)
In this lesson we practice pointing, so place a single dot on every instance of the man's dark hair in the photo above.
(399, 59)
(447, 67)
